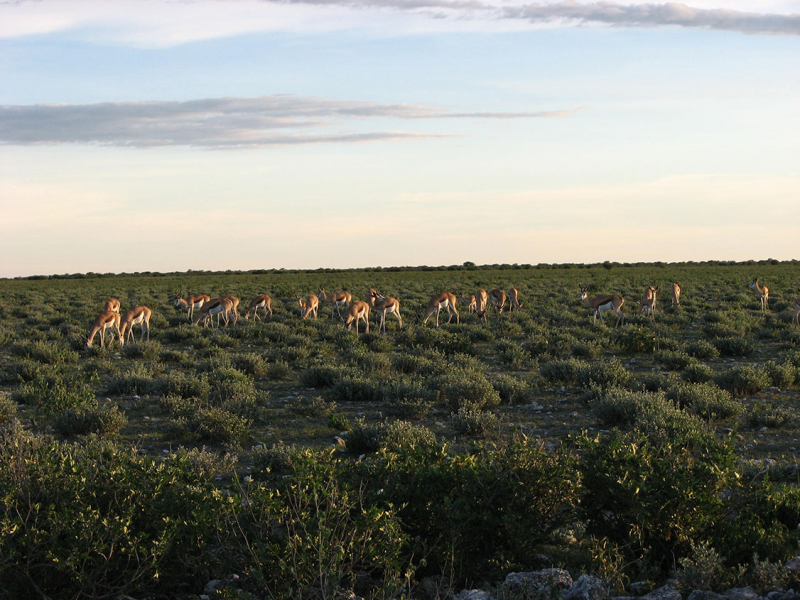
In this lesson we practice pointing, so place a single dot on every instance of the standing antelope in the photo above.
(796, 319)
(310, 306)
(138, 315)
(648, 303)
(105, 320)
(763, 294)
(498, 296)
(113, 305)
(384, 305)
(262, 301)
(676, 294)
(191, 303)
(218, 306)
(470, 301)
(482, 299)
(234, 308)
(601, 304)
(513, 299)
(357, 311)
(437, 303)
(336, 300)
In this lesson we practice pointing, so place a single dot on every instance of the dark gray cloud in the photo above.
(219, 122)
(608, 13)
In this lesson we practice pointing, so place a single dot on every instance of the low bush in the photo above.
(744, 380)
(701, 349)
(137, 379)
(322, 376)
(674, 360)
(783, 375)
(564, 372)
(705, 400)
(393, 436)
(146, 350)
(462, 387)
(55, 392)
(312, 407)
(764, 414)
(355, 389)
(50, 353)
(8, 408)
(512, 390)
(103, 420)
(473, 422)
(185, 385)
(213, 424)
(697, 373)
(604, 374)
(636, 339)
(511, 354)
(734, 346)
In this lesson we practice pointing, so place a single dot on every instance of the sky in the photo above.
(167, 135)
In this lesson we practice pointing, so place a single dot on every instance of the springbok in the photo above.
(191, 303)
(356, 311)
(676, 294)
(498, 297)
(309, 306)
(138, 315)
(648, 303)
(105, 320)
(763, 294)
(383, 305)
(112, 305)
(513, 299)
(601, 304)
(218, 306)
(262, 301)
(437, 303)
(335, 300)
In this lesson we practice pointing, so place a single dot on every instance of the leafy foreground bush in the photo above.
(101, 420)
(98, 520)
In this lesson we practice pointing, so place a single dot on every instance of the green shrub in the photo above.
(586, 350)
(185, 385)
(474, 422)
(512, 390)
(55, 392)
(136, 379)
(782, 375)
(114, 522)
(103, 420)
(744, 380)
(734, 346)
(214, 424)
(371, 437)
(147, 350)
(339, 422)
(564, 372)
(765, 414)
(22, 370)
(312, 407)
(355, 389)
(322, 376)
(636, 339)
(510, 354)
(8, 408)
(412, 363)
(278, 370)
(701, 349)
(697, 373)
(251, 364)
(705, 400)
(674, 360)
(461, 387)
(618, 406)
(604, 374)
(50, 353)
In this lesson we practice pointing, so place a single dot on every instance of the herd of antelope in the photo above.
(201, 307)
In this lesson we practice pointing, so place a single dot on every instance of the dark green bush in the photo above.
(322, 376)
(565, 371)
(393, 436)
(8, 408)
(705, 400)
(55, 392)
(765, 414)
(139, 378)
(512, 390)
(51, 353)
(697, 373)
(734, 346)
(185, 385)
(103, 420)
(674, 360)
(636, 339)
(604, 374)
(511, 354)
(701, 349)
(473, 422)
(462, 387)
(97, 520)
(744, 380)
(147, 350)
(311, 407)
(355, 389)
(782, 375)
(213, 424)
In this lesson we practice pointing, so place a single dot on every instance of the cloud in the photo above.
(220, 122)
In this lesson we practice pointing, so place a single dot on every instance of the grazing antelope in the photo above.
(796, 319)
(437, 303)
(336, 300)
(763, 294)
(138, 315)
(113, 305)
(191, 303)
(513, 299)
(218, 306)
(498, 297)
(601, 304)
(648, 303)
(676, 294)
(309, 306)
(234, 308)
(470, 301)
(105, 320)
(482, 299)
(355, 312)
(262, 301)
(383, 305)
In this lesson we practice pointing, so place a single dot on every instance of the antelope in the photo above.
(191, 303)
(138, 315)
(218, 306)
(357, 311)
(648, 303)
(498, 296)
(113, 305)
(262, 301)
(384, 305)
(513, 299)
(309, 306)
(676, 294)
(437, 303)
(482, 299)
(471, 302)
(796, 319)
(336, 300)
(601, 304)
(234, 308)
(763, 294)
(105, 320)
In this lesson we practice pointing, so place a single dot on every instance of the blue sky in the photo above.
(151, 135)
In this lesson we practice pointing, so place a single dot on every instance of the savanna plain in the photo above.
(303, 459)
